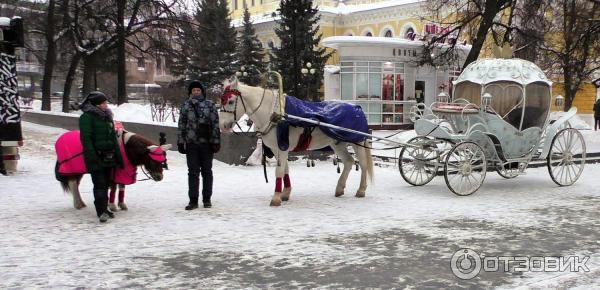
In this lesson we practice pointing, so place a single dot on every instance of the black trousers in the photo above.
(101, 180)
(199, 161)
(596, 123)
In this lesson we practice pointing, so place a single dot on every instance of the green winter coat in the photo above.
(98, 136)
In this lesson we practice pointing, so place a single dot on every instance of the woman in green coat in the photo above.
(100, 148)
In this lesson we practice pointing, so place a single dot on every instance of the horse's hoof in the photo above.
(360, 194)
(285, 195)
(338, 194)
(80, 206)
(275, 203)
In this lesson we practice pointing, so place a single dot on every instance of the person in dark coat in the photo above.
(597, 114)
(100, 148)
(199, 138)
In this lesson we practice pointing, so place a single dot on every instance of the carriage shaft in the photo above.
(319, 123)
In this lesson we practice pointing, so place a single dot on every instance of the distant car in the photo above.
(56, 95)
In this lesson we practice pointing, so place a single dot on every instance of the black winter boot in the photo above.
(191, 206)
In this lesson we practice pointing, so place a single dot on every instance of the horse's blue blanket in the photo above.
(337, 113)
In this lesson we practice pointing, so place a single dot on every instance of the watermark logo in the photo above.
(467, 264)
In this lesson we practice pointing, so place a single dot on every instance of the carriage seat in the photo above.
(533, 116)
(514, 143)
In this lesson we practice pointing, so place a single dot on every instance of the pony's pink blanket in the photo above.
(69, 151)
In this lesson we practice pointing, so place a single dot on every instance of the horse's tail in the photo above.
(64, 180)
(370, 173)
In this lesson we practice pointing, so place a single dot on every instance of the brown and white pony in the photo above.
(140, 152)
(240, 99)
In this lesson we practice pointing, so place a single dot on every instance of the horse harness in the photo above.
(233, 92)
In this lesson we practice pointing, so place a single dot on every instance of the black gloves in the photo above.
(216, 148)
(181, 148)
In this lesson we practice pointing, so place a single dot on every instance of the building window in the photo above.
(235, 5)
(252, 2)
(160, 65)
(141, 63)
(369, 34)
(378, 87)
(388, 33)
(409, 34)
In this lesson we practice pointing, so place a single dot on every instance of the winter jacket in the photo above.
(198, 122)
(597, 109)
(99, 139)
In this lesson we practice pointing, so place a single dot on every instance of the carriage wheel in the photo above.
(418, 165)
(465, 168)
(508, 173)
(567, 157)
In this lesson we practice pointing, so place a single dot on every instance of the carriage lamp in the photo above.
(443, 98)
(559, 102)
(486, 100)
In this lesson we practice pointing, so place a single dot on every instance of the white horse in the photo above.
(259, 106)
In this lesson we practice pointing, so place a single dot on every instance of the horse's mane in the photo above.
(256, 92)
(137, 149)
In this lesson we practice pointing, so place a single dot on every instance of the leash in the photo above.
(70, 158)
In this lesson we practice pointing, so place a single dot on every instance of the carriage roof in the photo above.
(485, 71)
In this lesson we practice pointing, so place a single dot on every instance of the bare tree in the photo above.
(573, 43)
(97, 28)
(50, 55)
(530, 28)
(473, 19)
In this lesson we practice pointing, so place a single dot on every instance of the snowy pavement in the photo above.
(399, 236)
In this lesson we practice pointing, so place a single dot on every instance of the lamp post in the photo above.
(308, 71)
(241, 72)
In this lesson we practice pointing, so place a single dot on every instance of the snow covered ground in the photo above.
(398, 236)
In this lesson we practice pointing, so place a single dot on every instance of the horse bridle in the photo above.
(233, 92)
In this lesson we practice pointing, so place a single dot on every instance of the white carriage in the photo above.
(498, 119)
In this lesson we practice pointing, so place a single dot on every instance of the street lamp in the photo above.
(241, 72)
(308, 71)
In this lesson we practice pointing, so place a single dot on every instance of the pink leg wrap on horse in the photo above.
(286, 181)
(278, 184)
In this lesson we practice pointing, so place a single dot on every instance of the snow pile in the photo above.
(578, 122)
(129, 112)
(343, 9)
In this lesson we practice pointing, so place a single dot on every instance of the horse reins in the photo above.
(238, 95)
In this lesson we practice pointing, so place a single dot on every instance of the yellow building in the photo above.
(350, 17)
(400, 20)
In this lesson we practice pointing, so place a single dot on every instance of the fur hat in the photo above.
(195, 84)
(96, 98)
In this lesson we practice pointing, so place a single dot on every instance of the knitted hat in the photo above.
(96, 98)
(195, 84)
